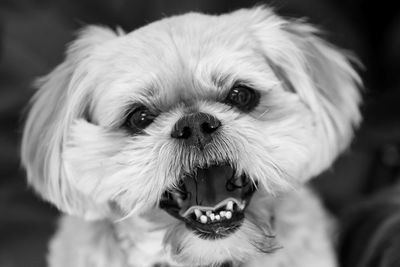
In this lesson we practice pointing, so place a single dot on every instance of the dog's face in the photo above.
(203, 117)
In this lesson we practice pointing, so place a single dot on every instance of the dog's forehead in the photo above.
(177, 59)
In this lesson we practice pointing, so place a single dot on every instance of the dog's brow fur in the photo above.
(220, 80)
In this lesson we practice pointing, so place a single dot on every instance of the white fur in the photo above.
(78, 157)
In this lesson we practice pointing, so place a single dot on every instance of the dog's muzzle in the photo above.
(211, 201)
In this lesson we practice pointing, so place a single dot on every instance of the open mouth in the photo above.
(211, 201)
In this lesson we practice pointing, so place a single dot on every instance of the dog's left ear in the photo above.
(320, 73)
(61, 100)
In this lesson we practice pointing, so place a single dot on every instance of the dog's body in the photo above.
(189, 142)
(301, 242)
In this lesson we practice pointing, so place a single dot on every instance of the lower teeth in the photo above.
(203, 219)
(228, 215)
(210, 216)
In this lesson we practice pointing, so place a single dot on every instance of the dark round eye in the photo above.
(139, 118)
(242, 97)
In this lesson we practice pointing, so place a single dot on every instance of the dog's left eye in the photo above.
(140, 118)
(243, 97)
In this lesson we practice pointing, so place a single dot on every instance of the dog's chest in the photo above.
(142, 245)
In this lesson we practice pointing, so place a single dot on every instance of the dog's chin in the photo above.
(211, 201)
(251, 239)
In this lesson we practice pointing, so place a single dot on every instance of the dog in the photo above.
(190, 142)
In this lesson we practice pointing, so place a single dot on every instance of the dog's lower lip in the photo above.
(215, 230)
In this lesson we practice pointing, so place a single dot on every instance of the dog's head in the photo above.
(205, 117)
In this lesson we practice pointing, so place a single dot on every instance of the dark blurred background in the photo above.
(34, 34)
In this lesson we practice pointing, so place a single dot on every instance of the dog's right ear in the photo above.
(50, 116)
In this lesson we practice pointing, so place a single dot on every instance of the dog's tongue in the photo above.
(210, 186)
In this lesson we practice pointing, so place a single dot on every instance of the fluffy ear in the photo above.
(54, 107)
(319, 73)
(335, 83)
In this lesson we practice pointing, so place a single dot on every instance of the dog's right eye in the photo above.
(243, 97)
(139, 118)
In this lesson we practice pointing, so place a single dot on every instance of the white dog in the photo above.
(189, 141)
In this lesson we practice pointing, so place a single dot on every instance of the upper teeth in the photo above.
(198, 213)
(209, 215)
(229, 206)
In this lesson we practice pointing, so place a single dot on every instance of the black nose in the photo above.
(196, 129)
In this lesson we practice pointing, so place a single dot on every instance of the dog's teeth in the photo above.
(198, 213)
(212, 216)
(222, 213)
(228, 215)
(229, 206)
(203, 219)
(217, 217)
(208, 213)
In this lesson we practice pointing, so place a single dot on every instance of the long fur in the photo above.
(78, 157)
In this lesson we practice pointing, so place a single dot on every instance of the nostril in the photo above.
(182, 132)
(210, 127)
